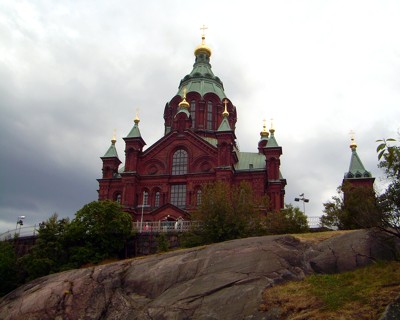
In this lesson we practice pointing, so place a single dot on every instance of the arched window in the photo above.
(209, 115)
(145, 198)
(198, 197)
(118, 198)
(179, 162)
(193, 111)
(157, 199)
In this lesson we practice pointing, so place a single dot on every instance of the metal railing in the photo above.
(144, 227)
(164, 226)
(21, 232)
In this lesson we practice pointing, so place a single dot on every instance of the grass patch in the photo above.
(316, 237)
(360, 294)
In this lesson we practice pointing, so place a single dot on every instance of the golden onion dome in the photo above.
(136, 120)
(184, 103)
(264, 133)
(353, 144)
(202, 48)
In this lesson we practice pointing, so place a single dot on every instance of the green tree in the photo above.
(226, 212)
(50, 252)
(288, 220)
(389, 201)
(99, 231)
(8, 268)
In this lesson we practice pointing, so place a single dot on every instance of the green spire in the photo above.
(135, 132)
(112, 151)
(356, 169)
(272, 143)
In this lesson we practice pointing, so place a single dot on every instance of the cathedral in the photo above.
(199, 146)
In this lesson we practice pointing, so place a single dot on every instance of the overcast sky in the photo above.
(73, 71)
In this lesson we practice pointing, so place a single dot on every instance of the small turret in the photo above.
(110, 160)
(133, 146)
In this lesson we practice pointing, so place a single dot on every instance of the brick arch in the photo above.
(199, 164)
(155, 166)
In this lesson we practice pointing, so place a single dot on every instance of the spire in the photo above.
(356, 168)
(272, 141)
(135, 132)
(224, 126)
(112, 151)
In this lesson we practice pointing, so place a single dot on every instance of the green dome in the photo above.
(202, 79)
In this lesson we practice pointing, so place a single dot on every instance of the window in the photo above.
(198, 197)
(178, 195)
(193, 111)
(145, 198)
(118, 198)
(157, 199)
(179, 162)
(209, 115)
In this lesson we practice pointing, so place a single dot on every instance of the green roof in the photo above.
(224, 126)
(250, 161)
(111, 152)
(135, 132)
(272, 141)
(202, 79)
(356, 169)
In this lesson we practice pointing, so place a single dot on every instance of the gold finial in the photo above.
(225, 113)
(114, 139)
(203, 34)
(353, 144)
(272, 130)
(184, 92)
(203, 47)
(137, 120)
(264, 132)
(184, 103)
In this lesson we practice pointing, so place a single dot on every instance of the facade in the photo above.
(164, 181)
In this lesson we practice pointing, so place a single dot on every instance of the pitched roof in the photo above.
(356, 169)
(111, 152)
(272, 143)
(135, 132)
(250, 161)
(224, 126)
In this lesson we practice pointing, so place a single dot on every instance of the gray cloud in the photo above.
(72, 72)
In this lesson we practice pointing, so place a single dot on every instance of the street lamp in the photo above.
(302, 198)
(20, 222)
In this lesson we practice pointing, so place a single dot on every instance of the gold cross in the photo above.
(203, 28)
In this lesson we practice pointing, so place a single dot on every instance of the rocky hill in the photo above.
(221, 281)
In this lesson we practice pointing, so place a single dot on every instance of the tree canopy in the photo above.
(227, 212)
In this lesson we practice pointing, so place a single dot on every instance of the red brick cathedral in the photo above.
(165, 180)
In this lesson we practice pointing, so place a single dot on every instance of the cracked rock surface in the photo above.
(221, 281)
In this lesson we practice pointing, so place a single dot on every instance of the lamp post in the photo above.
(302, 198)
(20, 222)
(144, 200)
